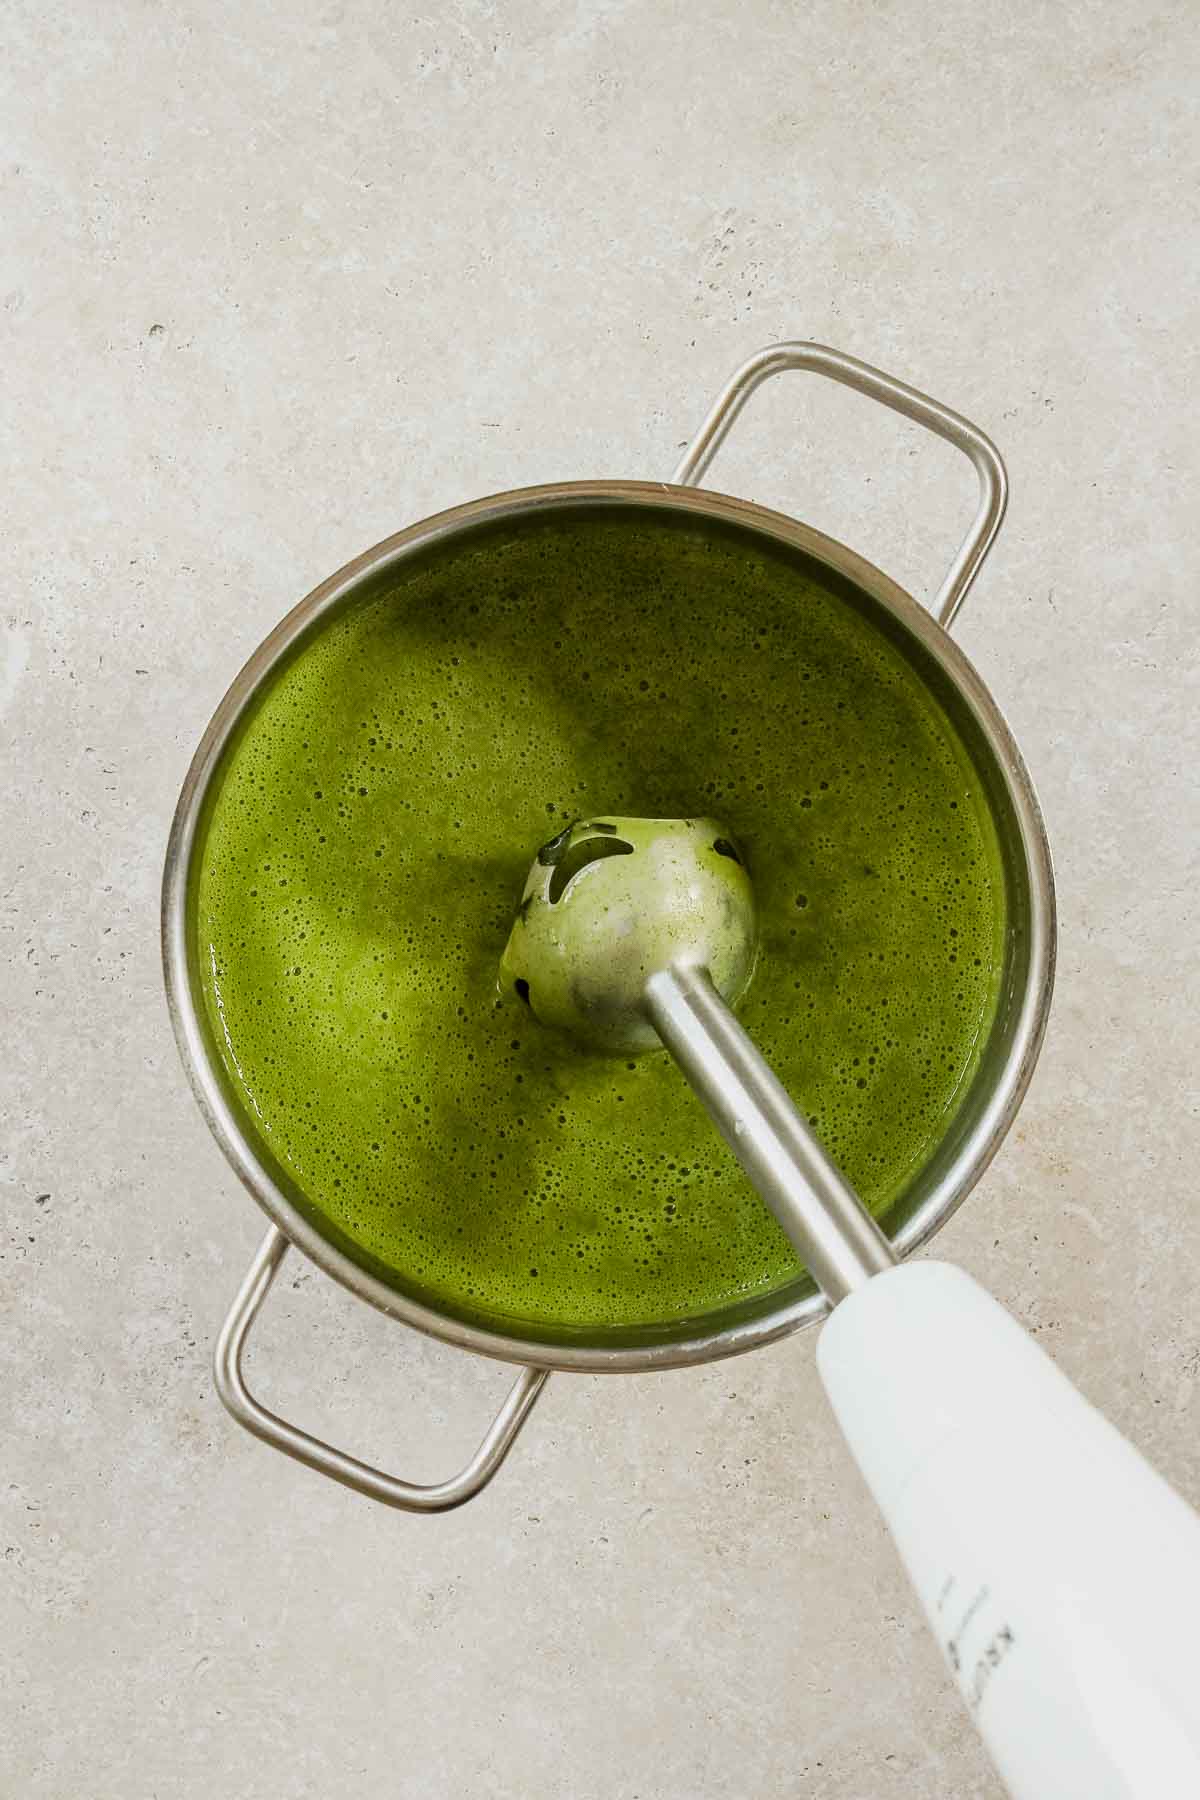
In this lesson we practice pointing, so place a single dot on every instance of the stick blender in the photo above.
(1058, 1571)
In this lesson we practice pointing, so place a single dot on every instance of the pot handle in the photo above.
(389, 1489)
(993, 481)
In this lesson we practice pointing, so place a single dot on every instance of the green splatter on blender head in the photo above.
(607, 903)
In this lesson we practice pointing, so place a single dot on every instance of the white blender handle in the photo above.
(1060, 1573)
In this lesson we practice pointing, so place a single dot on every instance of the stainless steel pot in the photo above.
(994, 1094)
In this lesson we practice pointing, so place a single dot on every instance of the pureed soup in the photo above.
(372, 826)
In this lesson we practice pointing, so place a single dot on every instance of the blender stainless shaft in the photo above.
(637, 932)
(829, 1227)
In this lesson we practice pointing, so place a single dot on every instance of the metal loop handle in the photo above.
(410, 1496)
(993, 481)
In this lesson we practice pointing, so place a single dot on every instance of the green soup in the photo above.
(372, 825)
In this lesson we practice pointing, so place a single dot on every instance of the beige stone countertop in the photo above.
(276, 280)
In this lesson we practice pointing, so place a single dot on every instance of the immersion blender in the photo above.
(1059, 1572)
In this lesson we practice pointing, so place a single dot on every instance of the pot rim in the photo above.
(798, 1306)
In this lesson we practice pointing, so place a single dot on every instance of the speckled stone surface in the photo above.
(278, 280)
